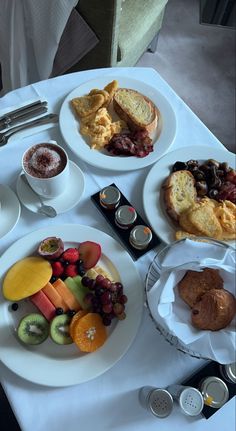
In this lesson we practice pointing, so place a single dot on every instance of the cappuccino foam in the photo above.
(44, 161)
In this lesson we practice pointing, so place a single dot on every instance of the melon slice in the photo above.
(41, 301)
(54, 296)
(26, 277)
(66, 295)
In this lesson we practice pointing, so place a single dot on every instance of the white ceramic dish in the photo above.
(65, 202)
(152, 197)
(9, 211)
(53, 365)
(162, 138)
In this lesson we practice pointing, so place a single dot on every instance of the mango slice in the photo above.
(26, 277)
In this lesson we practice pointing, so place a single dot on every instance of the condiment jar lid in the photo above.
(140, 236)
(109, 197)
(230, 371)
(214, 391)
(160, 403)
(125, 215)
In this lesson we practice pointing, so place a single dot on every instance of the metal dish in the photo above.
(153, 275)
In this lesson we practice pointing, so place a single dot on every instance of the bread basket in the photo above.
(153, 275)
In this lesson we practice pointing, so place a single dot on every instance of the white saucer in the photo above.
(9, 211)
(65, 202)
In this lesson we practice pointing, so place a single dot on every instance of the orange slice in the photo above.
(75, 319)
(89, 332)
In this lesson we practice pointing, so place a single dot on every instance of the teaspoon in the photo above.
(47, 210)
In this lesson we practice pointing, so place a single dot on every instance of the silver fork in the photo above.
(42, 120)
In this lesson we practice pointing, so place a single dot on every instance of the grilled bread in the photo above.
(179, 193)
(135, 109)
(214, 311)
(195, 283)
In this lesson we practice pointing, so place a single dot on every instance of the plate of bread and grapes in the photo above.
(190, 193)
(71, 303)
(119, 124)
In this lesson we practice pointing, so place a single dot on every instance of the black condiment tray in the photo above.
(123, 234)
(211, 369)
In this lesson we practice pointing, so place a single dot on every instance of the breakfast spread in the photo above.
(129, 135)
(74, 297)
(201, 199)
(212, 307)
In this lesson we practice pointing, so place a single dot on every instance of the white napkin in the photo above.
(171, 312)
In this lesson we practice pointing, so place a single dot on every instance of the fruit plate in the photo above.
(162, 137)
(152, 191)
(53, 365)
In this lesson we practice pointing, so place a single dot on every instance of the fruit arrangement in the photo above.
(75, 297)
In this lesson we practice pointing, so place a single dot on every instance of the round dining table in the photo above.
(109, 401)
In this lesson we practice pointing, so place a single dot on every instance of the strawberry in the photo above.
(57, 268)
(90, 253)
(70, 270)
(70, 255)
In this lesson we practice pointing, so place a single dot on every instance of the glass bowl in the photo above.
(153, 275)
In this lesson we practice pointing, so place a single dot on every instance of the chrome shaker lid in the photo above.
(214, 391)
(160, 403)
(191, 401)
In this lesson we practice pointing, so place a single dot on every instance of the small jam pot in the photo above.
(125, 216)
(214, 391)
(140, 237)
(109, 197)
(229, 372)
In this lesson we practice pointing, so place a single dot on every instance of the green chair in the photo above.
(125, 29)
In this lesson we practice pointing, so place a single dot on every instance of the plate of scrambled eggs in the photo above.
(88, 122)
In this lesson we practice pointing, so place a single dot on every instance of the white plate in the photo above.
(9, 210)
(53, 365)
(65, 202)
(69, 127)
(152, 199)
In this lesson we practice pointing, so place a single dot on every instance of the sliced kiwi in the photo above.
(33, 329)
(59, 329)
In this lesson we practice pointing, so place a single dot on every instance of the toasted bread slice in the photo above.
(135, 109)
(179, 193)
(203, 218)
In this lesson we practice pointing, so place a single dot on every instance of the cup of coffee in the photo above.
(46, 167)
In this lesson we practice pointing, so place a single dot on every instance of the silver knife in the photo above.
(23, 117)
(9, 116)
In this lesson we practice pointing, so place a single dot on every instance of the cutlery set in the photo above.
(20, 115)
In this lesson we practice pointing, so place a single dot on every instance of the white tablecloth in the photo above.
(111, 400)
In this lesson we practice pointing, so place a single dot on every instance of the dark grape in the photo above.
(106, 283)
(86, 281)
(99, 278)
(89, 298)
(123, 299)
(118, 308)
(106, 297)
(106, 321)
(107, 308)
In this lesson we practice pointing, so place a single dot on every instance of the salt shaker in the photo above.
(156, 400)
(189, 399)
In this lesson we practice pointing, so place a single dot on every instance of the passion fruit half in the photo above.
(51, 248)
